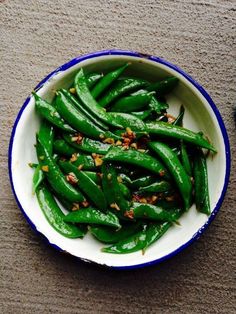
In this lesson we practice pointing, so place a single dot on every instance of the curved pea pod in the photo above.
(125, 191)
(90, 215)
(153, 212)
(201, 183)
(112, 189)
(85, 161)
(142, 115)
(185, 159)
(173, 131)
(38, 177)
(132, 103)
(120, 88)
(157, 105)
(89, 102)
(128, 120)
(163, 87)
(107, 80)
(55, 216)
(140, 240)
(87, 145)
(106, 235)
(143, 181)
(55, 177)
(134, 157)
(174, 166)
(93, 78)
(62, 148)
(49, 113)
(76, 119)
(46, 135)
(86, 184)
(156, 187)
(83, 110)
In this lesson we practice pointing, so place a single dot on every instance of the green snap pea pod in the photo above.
(153, 212)
(46, 135)
(134, 157)
(88, 145)
(179, 119)
(185, 159)
(38, 178)
(85, 161)
(125, 191)
(201, 183)
(48, 112)
(156, 187)
(89, 102)
(86, 184)
(128, 120)
(132, 103)
(140, 240)
(107, 80)
(93, 176)
(143, 181)
(55, 177)
(64, 202)
(172, 131)
(76, 119)
(157, 105)
(106, 235)
(120, 88)
(83, 110)
(174, 166)
(55, 216)
(93, 78)
(62, 148)
(112, 189)
(90, 215)
(163, 87)
(142, 115)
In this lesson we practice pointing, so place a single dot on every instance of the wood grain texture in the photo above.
(38, 36)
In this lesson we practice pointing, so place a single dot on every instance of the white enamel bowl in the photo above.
(201, 114)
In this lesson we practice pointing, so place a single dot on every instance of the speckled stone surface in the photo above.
(38, 36)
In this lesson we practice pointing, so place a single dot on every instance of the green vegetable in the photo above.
(55, 216)
(92, 216)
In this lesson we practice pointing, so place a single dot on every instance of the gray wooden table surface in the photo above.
(38, 36)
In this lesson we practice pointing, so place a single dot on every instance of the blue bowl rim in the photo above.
(159, 60)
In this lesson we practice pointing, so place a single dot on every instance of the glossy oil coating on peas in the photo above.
(121, 166)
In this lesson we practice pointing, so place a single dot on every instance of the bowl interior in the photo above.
(199, 116)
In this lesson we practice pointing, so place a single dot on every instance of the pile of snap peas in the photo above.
(117, 163)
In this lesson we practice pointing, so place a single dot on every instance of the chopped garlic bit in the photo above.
(129, 214)
(109, 140)
(45, 168)
(71, 178)
(119, 179)
(75, 207)
(73, 157)
(72, 90)
(115, 206)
